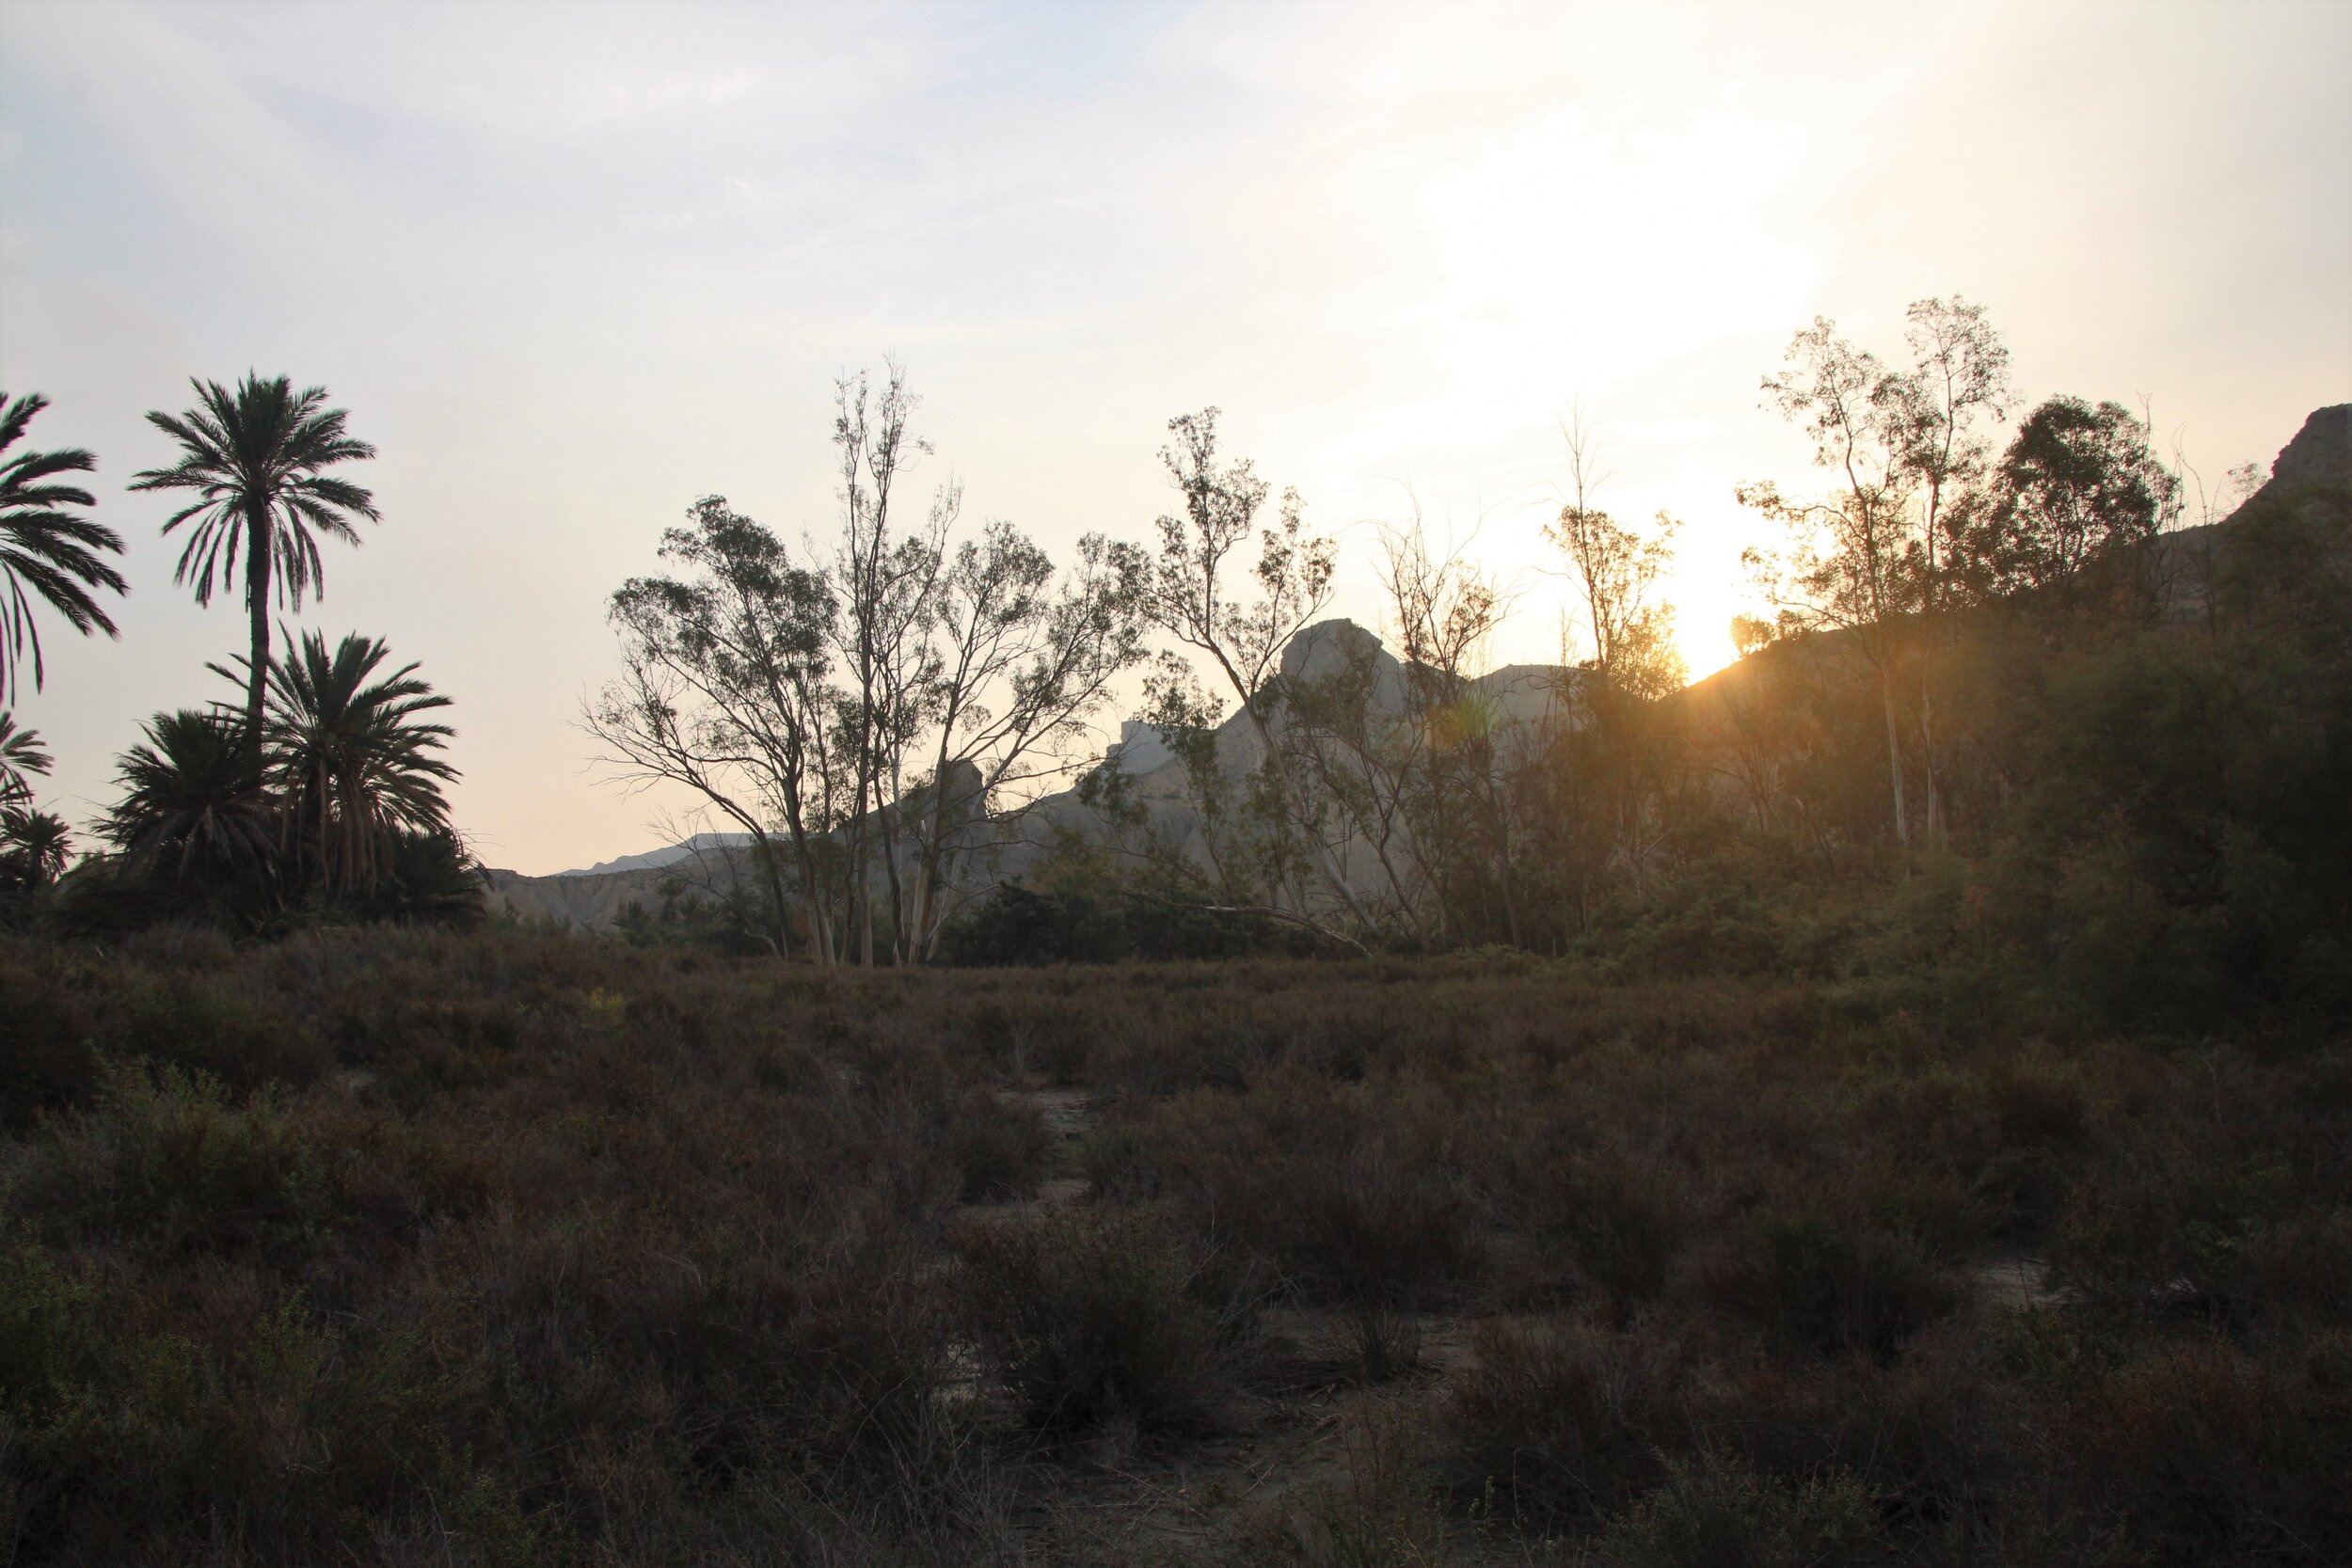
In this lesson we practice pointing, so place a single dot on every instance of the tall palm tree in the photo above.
(21, 757)
(353, 760)
(254, 458)
(193, 801)
(45, 550)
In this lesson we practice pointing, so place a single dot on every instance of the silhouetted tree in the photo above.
(1959, 378)
(1017, 663)
(353, 762)
(194, 805)
(21, 758)
(47, 552)
(885, 577)
(726, 688)
(2080, 493)
(1244, 641)
(1872, 553)
(255, 458)
(32, 848)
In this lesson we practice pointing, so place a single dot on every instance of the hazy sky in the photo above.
(571, 266)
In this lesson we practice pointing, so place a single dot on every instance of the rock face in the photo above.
(2321, 451)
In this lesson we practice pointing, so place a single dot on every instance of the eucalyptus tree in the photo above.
(1907, 465)
(256, 460)
(1188, 598)
(49, 551)
(1408, 751)
(2080, 493)
(1616, 574)
(726, 688)
(885, 576)
(1016, 663)
(1855, 557)
(354, 761)
(1959, 378)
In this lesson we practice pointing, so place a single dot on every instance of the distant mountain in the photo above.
(699, 844)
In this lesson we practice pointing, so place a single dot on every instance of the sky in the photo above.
(570, 266)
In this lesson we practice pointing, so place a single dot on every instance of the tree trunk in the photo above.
(257, 540)
(1927, 762)
(1894, 762)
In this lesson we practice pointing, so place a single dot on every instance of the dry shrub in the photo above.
(1001, 1147)
(1934, 1437)
(149, 1440)
(1713, 1511)
(1559, 1425)
(2206, 1454)
(585, 1253)
(1379, 1511)
(1594, 1217)
(2208, 1220)
(1355, 1196)
(1089, 1316)
(1814, 1285)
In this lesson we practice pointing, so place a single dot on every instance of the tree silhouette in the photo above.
(32, 848)
(46, 551)
(2079, 492)
(193, 799)
(354, 764)
(255, 457)
(21, 757)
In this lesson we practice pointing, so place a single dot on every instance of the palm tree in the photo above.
(21, 757)
(254, 458)
(45, 550)
(193, 797)
(353, 761)
(33, 847)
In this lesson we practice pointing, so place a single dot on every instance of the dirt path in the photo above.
(1069, 1116)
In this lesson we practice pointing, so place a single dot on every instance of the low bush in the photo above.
(1715, 1512)
(1560, 1426)
(1087, 1317)
(1812, 1284)
(2207, 1454)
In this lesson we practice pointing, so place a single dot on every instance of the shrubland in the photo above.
(497, 1247)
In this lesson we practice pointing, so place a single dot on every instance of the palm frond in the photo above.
(46, 553)
(21, 759)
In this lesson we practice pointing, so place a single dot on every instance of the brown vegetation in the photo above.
(413, 1246)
